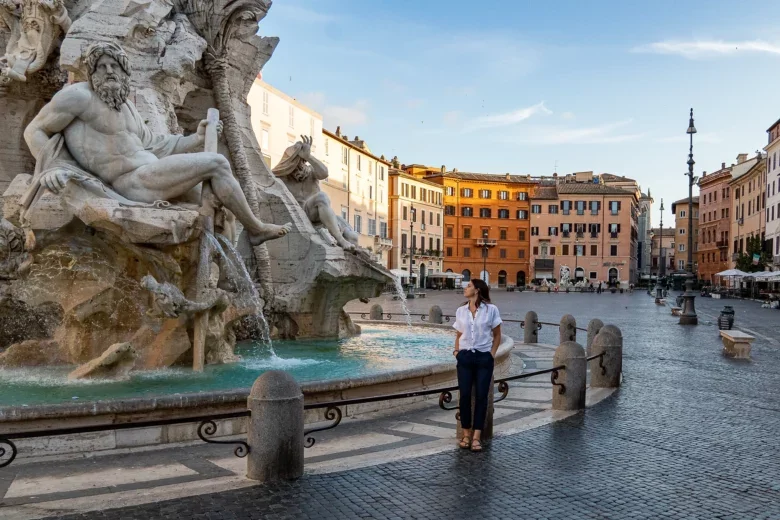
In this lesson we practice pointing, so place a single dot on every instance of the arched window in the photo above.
(466, 275)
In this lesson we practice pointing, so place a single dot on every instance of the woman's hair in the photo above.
(483, 291)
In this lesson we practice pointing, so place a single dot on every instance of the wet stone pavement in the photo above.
(689, 435)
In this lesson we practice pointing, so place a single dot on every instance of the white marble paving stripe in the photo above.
(24, 487)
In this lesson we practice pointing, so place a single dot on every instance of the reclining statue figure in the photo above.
(302, 173)
(100, 133)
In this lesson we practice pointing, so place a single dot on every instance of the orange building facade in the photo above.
(714, 223)
(486, 224)
(587, 227)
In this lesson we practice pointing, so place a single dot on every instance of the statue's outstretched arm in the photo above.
(319, 170)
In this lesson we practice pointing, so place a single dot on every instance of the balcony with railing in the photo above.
(722, 244)
(489, 242)
(382, 243)
(776, 260)
(613, 234)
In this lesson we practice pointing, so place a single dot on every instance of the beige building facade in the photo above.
(416, 228)
(748, 203)
(682, 215)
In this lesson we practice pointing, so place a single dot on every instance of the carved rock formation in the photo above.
(115, 363)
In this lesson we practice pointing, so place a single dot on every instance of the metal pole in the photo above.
(484, 255)
(411, 244)
(688, 315)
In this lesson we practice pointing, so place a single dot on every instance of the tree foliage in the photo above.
(745, 259)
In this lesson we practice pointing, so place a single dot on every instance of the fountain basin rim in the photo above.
(220, 401)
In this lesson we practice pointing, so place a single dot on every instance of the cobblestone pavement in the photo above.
(689, 435)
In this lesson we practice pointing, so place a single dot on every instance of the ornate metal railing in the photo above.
(334, 414)
(387, 316)
(207, 426)
(600, 357)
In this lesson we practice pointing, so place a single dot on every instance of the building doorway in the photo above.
(502, 278)
(521, 278)
(613, 276)
(579, 274)
(422, 275)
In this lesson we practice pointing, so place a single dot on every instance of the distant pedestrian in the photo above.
(598, 291)
(478, 326)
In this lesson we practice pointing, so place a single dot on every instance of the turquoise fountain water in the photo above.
(377, 350)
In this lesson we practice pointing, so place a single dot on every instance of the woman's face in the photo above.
(469, 291)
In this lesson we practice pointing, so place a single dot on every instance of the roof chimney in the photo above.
(703, 174)
(507, 176)
(722, 166)
(338, 131)
(742, 158)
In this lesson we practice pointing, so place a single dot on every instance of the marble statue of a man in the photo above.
(301, 173)
(106, 136)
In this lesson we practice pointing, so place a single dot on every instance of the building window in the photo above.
(449, 251)
(383, 229)
(485, 194)
(552, 251)
(265, 140)
(594, 249)
(406, 213)
(593, 275)
(502, 253)
(414, 192)
(522, 214)
(579, 250)
(522, 195)
(503, 195)
(613, 250)
(521, 253)
(371, 227)
(553, 209)
(358, 224)
(466, 252)
(291, 116)
(536, 208)
(265, 102)
(370, 192)
(449, 191)
(344, 213)
(682, 214)
(438, 219)
(681, 264)
(565, 249)
(681, 248)
(326, 146)
(484, 212)
(466, 232)
(359, 163)
(552, 231)
(580, 205)
(466, 211)
(614, 207)
(467, 193)
(536, 250)
(449, 232)
(503, 213)
(534, 231)
(682, 231)
(502, 234)
(404, 243)
(345, 155)
(566, 206)
(521, 234)
(449, 210)
(381, 172)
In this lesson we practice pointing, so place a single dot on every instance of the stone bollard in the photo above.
(612, 329)
(571, 355)
(531, 330)
(435, 315)
(487, 430)
(612, 347)
(594, 326)
(377, 312)
(275, 428)
(568, 329)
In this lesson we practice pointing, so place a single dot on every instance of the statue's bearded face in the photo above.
(110, 82)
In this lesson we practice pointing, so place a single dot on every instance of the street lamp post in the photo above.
(484, 254)
(659, 289)
(688, 315)
(411, 248)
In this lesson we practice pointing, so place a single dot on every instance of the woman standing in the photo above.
(478, 325)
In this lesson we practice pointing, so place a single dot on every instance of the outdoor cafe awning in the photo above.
(439, 274)
(732, 272)
(402, 273)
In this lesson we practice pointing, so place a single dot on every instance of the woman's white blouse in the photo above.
(476, 331)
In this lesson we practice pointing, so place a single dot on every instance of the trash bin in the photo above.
(726, 318)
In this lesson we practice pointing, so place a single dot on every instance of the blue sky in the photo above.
(520, 86)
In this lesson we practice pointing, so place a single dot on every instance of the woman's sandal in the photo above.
(476, 445)
(465, 443)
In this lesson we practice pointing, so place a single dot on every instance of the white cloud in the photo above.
(301, 14)
(452, 117)
(708, 48)
(414, 103)
(337, 115)
(601, 134)
(567, 115)
(508, 118)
